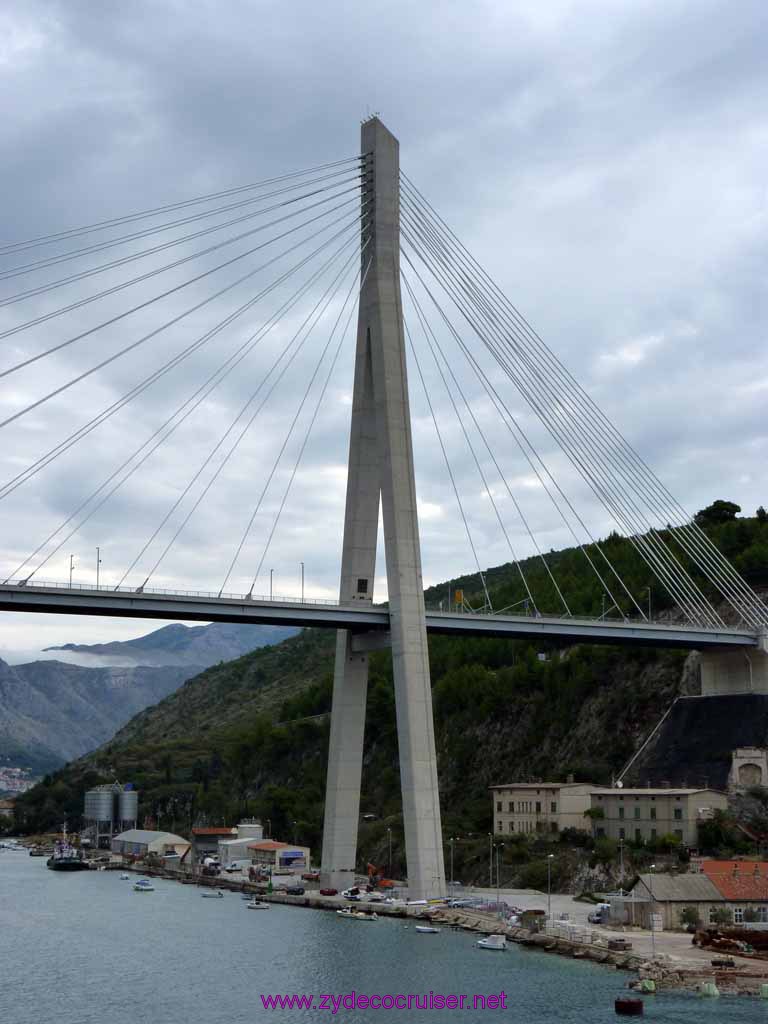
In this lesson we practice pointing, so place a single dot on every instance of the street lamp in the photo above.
(294, 832)
(549, 886)
(490, 860)
(451, 841)
(649, 603)
(499, 846)
(98, 564)
(71, 568)
(302, 582)
(269, 828)
(621, 865)
(650, 921)
(271, 574)
(389, 861)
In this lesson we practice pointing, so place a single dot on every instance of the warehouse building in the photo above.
(279, 858)
(138, 842)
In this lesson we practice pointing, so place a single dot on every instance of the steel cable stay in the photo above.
(183, 413)
(652, 538)
(102, 246)
(584, 461)
(705, 553)
(179, 287)
(326, 301)
(526, 447)
(307, 434)
(147, 337)
(185, 353)
(11, 247)
(155, 271)
(434, 344)
(557, 436)
(275, 464)
(447, 461)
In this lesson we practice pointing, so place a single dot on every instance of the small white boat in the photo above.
(257, 905)
(426, 929)
(356, 915)
(217, 895)
(493, 942)
(124, 877)
(143, 885)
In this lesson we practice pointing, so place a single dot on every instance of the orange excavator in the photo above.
(376, 878)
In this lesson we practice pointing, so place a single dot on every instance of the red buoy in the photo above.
(629, 1007)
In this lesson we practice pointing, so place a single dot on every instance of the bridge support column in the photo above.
(740, 671)
(381, 464)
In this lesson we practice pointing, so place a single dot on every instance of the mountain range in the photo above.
(53, 711)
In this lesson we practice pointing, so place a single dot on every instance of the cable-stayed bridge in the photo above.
(259, 285)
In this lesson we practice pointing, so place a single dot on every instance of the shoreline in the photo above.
(665, 973)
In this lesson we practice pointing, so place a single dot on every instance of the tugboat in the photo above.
(65, 857)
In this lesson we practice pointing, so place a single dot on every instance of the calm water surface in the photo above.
(83, 948)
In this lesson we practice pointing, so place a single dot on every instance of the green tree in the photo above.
(762, 515)
(690, 916)
(718, 512)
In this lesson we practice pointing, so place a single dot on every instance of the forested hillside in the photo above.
(250, 737)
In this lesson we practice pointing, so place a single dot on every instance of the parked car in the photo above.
(295, 890)
(311, 876)
(329, 892)
(353, 893)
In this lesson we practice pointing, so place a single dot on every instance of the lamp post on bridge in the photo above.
(648, 588)
(389, 860)
(271, 574)
(98, 565)
(71, 568)
(452, 841)
(302, 582)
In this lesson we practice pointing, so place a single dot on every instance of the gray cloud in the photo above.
(604, 162)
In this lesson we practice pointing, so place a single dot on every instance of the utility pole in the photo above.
(98, 565)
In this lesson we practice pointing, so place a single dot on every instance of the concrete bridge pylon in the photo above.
(381, 474)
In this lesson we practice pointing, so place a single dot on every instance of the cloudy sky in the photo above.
(606, 163)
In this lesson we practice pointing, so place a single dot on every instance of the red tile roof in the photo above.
(213, 831)
(738, 879)
(268, 844)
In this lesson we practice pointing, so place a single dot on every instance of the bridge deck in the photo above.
(359, 616)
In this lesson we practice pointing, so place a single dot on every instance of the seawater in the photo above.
(84, 948)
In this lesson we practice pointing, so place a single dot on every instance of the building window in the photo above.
(538, 806)
(362, 586)
(678, 814)
(553, 826)
(621, 813)
(498, 805)
(511, 826)
(511, 806)
(712, 912)
(637, 812)
(553, 807)
(653, 833)
(638, 836)
(679, 834)
(738, 915)
(621, 834)
(653, 814)
(601, 833)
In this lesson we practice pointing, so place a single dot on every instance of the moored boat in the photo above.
(257, 905)
(426, 929)
(493, 942)
(65, 856)
(356, 915)
(143, 885)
